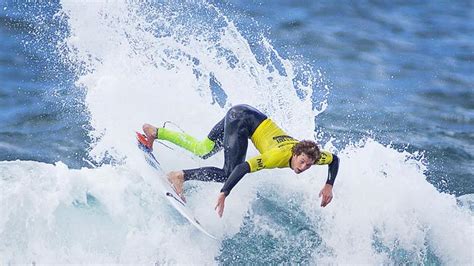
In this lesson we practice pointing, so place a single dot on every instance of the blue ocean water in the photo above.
(388, 85)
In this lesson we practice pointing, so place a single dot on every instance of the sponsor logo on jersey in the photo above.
(283, 138)
(260, 164)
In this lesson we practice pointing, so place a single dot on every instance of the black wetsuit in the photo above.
(231, 133)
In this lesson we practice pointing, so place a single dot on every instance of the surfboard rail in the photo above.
(168, 190)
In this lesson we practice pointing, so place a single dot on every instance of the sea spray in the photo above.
(153, 63)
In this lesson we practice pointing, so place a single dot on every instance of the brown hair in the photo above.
(307, 147)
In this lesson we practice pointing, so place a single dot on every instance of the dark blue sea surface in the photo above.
(400, 72)
(42, 115)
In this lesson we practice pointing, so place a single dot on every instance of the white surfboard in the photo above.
(168, 191)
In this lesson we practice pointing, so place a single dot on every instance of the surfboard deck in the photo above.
(167, 189)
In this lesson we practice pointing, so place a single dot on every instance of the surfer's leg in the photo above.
(150, 133)
(236, 134)
(205, 174)
(232, 133)
(217, 136)
(240, 123)
(202, 148)
(176, 178)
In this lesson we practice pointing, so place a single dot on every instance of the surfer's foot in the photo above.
(150, 133)
(176, 178)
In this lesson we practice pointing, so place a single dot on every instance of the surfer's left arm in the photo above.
(237, 174)
(333, 167)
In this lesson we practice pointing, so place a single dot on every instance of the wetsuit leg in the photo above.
(236, 135)
(239, 124)
(217, 136)
(205, 174)
(203, 148)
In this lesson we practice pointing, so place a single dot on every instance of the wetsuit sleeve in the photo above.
(333, 169)
(237, 174)
(333, 161)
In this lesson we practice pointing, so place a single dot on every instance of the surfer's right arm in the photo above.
(237, 174)
(267, 160)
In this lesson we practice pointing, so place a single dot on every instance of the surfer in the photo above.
(243, 122)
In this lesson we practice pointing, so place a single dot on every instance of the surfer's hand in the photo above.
(326, 193)
(220, 204)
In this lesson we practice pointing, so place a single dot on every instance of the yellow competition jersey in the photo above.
(275, 147)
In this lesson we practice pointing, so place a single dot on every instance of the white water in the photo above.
(142, 67)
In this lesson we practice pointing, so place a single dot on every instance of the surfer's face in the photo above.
(301, 163)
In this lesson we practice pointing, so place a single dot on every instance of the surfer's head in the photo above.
(305, 154)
